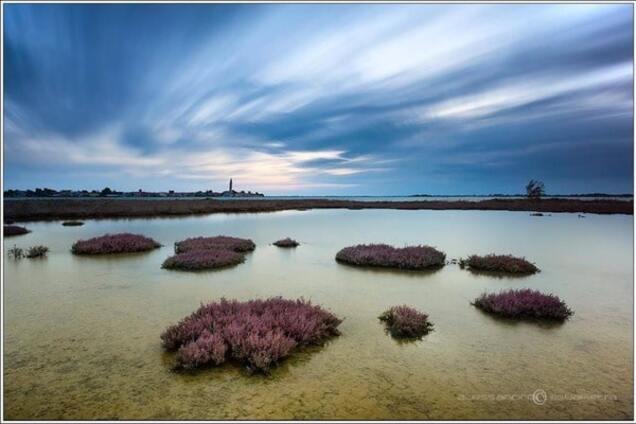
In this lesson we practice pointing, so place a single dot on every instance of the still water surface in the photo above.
(81, 334)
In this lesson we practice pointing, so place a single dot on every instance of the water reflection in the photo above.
(392, 271)
(542, 323)
(498, 275)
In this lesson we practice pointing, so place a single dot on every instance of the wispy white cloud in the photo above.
(518, 93)
(282, 171)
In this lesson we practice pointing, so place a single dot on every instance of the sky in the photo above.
(329, 99)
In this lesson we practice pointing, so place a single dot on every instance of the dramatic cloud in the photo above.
(319, 99)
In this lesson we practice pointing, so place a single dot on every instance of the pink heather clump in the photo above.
(258, 333)
(203, 259)
(208, 348)
(500, 263)
(114, 243)
(218, 242)
(524, 304)
(286, 242)
(383, 255)
(406, 322)
(14, 230)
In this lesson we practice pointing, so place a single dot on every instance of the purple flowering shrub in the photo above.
(219, 242)
(208, 348)
(500, 263)
(406, 322)
(258, 332)
(14, 230)
(383, 255)
(286, 242)
(203, 259)
(114, 243)
(523, 304)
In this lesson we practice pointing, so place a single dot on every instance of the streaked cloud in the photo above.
(357, 98)
(527, 91)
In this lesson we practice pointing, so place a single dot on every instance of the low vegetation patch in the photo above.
(258, 333)
(15, 252)
(14, 230)
(286, 242)
(383, 255)
(36, 252)
(524, 304)
(57, 208)
(31, 253)
(72, 223)
(203, 259)
(499, 263)
(219, 242)
(406, 322)
(114, 243)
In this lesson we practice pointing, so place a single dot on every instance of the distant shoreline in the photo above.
(20, 210)
(259, 196)
(583, 195)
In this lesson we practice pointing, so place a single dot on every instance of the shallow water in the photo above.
(81, 337)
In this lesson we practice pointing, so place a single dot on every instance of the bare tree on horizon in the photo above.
(535, 189)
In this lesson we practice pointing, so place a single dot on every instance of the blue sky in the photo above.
(319, 99)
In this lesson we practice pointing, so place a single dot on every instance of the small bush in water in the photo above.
(383, 255)
(15, 252)
(14, 230)
(286, 242)
(36, 252)
(203, 259)
(114, 243)
(500, 263)
(219, 242)
(406, 322)
(523, 304)
(258, 333)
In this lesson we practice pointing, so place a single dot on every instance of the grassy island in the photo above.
(523, 304)
(219, 242)
(499, 263)
(196, 260)
(383, 255)
(286, 242)
(14, 230)
(114, 243)
(406, 322)
(72, 223)
(258, 333)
